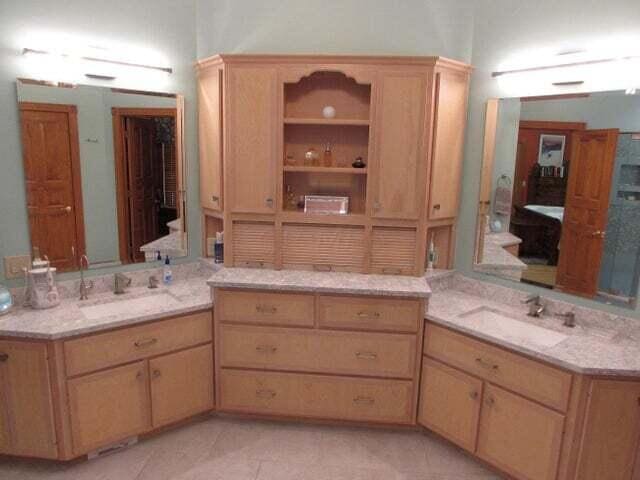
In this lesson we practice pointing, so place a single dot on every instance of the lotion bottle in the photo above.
(167, 275)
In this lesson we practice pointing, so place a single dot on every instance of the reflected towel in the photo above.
(502, 200)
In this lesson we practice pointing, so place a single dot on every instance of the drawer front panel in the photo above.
(343, 398)
(266, 308)
(371, 354)
(107, 349)
(532, 379)
(369, 313)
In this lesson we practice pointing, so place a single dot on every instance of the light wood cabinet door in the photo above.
(109, 406)
(450, 403)
(518, 436)
(448, 144)
(400, 169)
(26, 411)
(181, 384)
(210, 137)
(251, 139)
(611, 431)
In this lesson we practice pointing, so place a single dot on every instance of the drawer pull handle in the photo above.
(473, 395)
(483, 363)
(4, 357)
(322, 268)
(367, 355)
(265, 394)
(266, 349)
(251, 264)
(146, 342)
(156, 373)
(369, 314)
(392, 271)
(266, 309)
(364, 400)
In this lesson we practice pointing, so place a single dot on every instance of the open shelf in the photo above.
(345, 170)
(354, 122)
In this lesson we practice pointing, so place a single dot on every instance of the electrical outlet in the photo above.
(14, 266)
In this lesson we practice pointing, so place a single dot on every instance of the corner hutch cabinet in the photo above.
(265, 144)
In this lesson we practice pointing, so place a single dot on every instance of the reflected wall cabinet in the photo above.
(267, 141)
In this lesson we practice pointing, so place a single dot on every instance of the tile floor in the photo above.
(236, 449)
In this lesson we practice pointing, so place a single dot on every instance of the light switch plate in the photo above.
(14, 266)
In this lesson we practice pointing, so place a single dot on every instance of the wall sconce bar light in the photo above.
(26, 51)
(565, 65)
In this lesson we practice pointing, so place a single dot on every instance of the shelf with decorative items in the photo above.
(326, 145)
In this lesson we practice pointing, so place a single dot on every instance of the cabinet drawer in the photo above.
(266, 308)
(344, 398)
(532, 379)
(371, 354)
(369, 313)
(107, 349)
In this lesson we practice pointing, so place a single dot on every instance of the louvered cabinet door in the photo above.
(393, 250)
(323, 247)
(253, 244)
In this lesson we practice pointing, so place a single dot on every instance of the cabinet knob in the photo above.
(269, 202)
(4, 357)
(436, 206)
(473, 395)
(156, 373)
(376, 206)
(140, 375)
(491, 401)
(215, 198)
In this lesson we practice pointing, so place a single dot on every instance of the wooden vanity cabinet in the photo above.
(611, 434)
(450, 403)
(519, 436)
(108, 406)
(26, 405)
(404, 117)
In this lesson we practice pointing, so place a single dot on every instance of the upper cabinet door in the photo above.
(450, 117)
(251, 135)
(399, 176)
(210, 137)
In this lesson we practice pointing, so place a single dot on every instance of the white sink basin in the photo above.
(503, 325)
(128, 306)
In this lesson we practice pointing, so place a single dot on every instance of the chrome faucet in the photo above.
(569, 318)
(85, 287)
(536, 307)
(121, 282)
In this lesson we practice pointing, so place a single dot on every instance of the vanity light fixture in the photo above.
(565, 65)
(31, 51)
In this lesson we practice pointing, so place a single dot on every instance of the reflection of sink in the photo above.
(503, 325)
(128, 306)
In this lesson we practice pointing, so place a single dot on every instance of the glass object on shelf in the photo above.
(326, 204)
(292, 201)
(327, 159)
(311, 158)
(290, 160)
(328, 112)
(359, 163)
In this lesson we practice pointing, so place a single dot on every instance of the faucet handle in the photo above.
(153, 281)
(569, 318)
(532, 298)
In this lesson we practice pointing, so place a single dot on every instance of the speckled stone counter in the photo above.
(188, 293)
(600, 344)
(321, 282)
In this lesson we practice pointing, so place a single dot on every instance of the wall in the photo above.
(506, 31)
(163, 28)
(407, 27)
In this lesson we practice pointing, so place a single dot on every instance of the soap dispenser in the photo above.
(167, 275)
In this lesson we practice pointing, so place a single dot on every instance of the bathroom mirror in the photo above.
(104, 173)
(559, 204)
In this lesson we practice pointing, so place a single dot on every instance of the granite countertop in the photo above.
(321, 282)
(495, 255)
(599, 345)
(185, 295)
